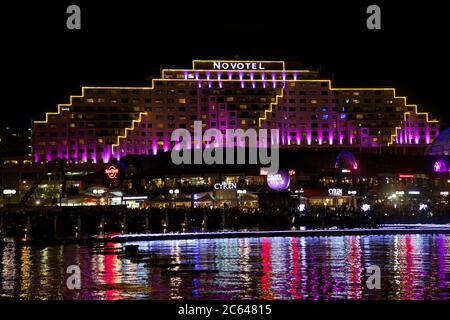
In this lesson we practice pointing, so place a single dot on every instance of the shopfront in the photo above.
(333, 197)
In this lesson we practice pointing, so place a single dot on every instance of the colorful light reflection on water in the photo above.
(412, 267)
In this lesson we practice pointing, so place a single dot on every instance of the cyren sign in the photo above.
(225, 186)
(335, 192)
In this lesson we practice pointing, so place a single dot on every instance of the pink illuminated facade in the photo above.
(108, 123)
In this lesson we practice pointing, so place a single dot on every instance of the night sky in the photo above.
(124, 43)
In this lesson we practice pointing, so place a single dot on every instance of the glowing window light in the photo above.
(400, 193)
(414, 192)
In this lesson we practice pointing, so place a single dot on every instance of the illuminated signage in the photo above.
(335, 192)
(225, 186)
(112, 172)
(407, 176)
(279, 180)
(238, 65)
(292, 172)
(135, 198)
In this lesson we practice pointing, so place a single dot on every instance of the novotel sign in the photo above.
(238, 65)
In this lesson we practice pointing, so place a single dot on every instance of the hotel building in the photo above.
(107, 123)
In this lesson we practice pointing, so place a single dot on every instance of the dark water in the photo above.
(412, 267)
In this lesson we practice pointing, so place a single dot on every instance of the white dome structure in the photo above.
(440, 145)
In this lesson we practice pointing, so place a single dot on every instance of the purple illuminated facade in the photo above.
(108, 123)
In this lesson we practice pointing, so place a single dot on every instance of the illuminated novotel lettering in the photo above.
(335, 192)
(238, 66)
(112, 172)
(225, 186)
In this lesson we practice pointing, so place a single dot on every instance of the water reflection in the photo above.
(412, 267)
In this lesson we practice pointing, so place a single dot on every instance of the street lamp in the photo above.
(9, 193)
(174, 193)
(99, 191)
(240, 194)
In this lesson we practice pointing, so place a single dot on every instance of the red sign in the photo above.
(292, 172)
(408, 176)
(112, 172)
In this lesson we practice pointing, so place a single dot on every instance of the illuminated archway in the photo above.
(442, 165)
(345, 160)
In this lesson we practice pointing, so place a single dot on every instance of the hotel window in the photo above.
(182, 100)
(90, 100)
